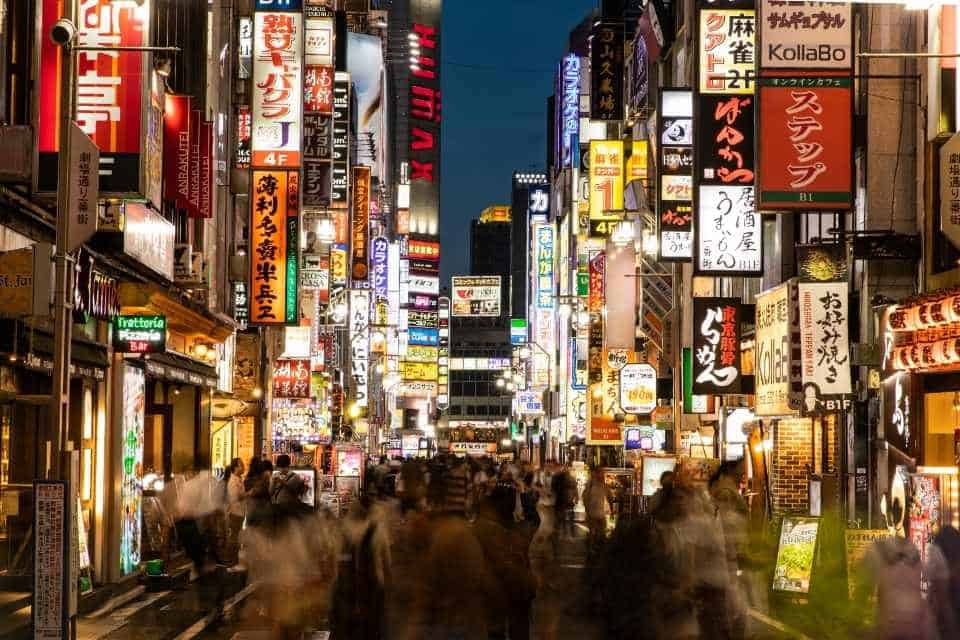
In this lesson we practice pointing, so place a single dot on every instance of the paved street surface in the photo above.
(190, 612)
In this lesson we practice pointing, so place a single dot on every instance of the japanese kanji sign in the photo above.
(291, 378)
(806, 150)
(274, 242)
(277, 89)
(806, 35)
(727, 50)
(359, 344)
(724, 139)
(360, 224)
(675, 174)
(568, 114)
(950, 190)
(824, 345)
(606, 179)
(110, 89)
(728, 231)
(606, 71)
(341, 141)
(716, 346)
(84, 188)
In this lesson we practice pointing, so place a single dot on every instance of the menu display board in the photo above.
(795, 554)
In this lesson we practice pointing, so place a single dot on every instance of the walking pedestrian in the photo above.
(286, 491)
(731, 508)
(235, 509)
(943, 576)
(596, 502)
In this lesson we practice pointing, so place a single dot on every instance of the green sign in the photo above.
(798, 543)
(583, 283)
(140, 334)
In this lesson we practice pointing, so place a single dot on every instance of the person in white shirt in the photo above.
(236, 509)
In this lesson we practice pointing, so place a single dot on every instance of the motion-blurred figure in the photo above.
(902, 613)
(943, 576)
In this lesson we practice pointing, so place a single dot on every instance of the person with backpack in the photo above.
(286, 490)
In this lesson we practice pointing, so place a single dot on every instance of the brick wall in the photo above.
(791, 455)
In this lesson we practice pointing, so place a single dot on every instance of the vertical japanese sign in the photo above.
(807, 148)
(606, 71)
(606, 179)
(381, 275)
(359, 343)
(338, 266)
(806, 35)
(131, 493)
(360, 224)
(84, 188)
(176, 147)
(675, 175)
(244, 122)
(277, 88)
(317, 138)
(727, 49)
(425, 117)
(725, 136)
(318, 68)
(111, 90)
(545, 282)
(774, 350)
(291, 378)
(570, 112)
(638, 75)
(716, 346)
(824, 346)
(729, 231)
(595, 302)
(950, 189)
(341, 141)
(205, 202)
(274, 233)
(244, 48)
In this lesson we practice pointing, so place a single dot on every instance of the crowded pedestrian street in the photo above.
(502, 320)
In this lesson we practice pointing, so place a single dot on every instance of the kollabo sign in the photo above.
(773, 352)
(140, 334)
(806, 35)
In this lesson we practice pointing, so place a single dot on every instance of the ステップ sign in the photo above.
(806, 150)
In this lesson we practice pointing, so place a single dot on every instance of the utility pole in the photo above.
(63, 264)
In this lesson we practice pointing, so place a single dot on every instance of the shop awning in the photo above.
(35, 347)
(183, 315)
(174, 368)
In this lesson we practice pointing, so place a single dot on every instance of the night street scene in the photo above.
(500, 320)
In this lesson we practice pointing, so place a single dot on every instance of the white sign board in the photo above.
(729, 231)
(824, 344)
(638, 388)
(84, 188)
(359, 343)
(50, 515)
(950, 190)
(806, 35)
(476, 296)
(277, 95)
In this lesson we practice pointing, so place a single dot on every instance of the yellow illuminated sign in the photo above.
(418, 371)
(606, 178)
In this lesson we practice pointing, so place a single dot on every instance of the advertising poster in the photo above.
(675, 175)
(807, 146)
(274, 236)
(716, 346)
(425, 108)
(856, 544)
(824, 346)
(131, 473)
(638, 388)
(773, 352)
(727, 50)
(476, 296)
(606, 179)
(806, 35)
(653, 468)
(349, 462)
(365, 64)
(110, 90)
(606, 71)
(925, 512)
(277, 89)
(795, 554)
(729, 231)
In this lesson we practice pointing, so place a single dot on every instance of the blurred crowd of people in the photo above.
(485, 554)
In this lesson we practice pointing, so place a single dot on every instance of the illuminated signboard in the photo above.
(140, 334)
(418, 370)
(544, 276)
(476, 296)
(716, 346)
(638, 388)
(381, 250)
(424, 337)
(806, 35)
(277, 96)
(423, 250)
(359, 344)
(606, 178)
(675, 175)
(341, 141)
(291, 378)
(570, 112)
(424, 111)
(110, 91)
(132, 405)
(606, 71)
(360, 226)
(274, 237)
(727, 50)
